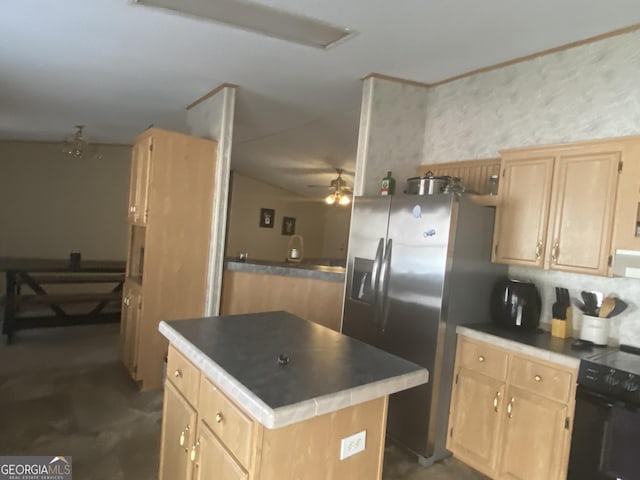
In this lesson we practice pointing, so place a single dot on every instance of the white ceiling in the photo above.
(118, 67)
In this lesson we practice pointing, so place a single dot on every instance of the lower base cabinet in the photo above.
(206, 436)
(510, 414)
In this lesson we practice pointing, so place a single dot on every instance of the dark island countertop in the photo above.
(289, 269)
(539, 343)
(283, 369)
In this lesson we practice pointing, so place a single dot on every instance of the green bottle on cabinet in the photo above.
(388, 186)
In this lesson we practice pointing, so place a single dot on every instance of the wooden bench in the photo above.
(29, 305)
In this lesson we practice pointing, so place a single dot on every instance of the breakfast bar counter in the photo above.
(279, 396)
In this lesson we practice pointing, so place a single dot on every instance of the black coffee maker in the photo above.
(516, 305)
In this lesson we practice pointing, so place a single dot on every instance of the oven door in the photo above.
(605, 439)
(588, 440)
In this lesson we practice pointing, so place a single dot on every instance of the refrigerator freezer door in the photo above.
(414, 280)
(369, 222)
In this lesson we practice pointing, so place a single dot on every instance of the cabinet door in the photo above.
(474, 425)
(130, 326)
(582, 210)
(178, 434)
(534, 437)
(212, 459)
(139, 182)
(523, 213)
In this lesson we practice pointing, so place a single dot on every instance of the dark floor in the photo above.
(63, 392)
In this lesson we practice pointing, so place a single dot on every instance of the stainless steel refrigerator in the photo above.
(418, 266)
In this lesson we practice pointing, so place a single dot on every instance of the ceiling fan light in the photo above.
(344, 200)
(77, 146)
(330, 199)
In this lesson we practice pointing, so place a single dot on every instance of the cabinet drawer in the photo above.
(232, 426)
(482, 358)
(549, 381)
(184, 375)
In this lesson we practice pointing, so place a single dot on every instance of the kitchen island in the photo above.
(313, 292)
(272, 396)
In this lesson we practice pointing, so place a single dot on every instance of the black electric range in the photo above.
(606, 428)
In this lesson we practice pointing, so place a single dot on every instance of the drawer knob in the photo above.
(538, 378)
(219, 417)
(177, 374)
(481, 358)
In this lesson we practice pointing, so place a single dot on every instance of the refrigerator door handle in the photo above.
(384, 286)
(375, 270)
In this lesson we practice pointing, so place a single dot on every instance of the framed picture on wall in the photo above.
(288, 225)
(267, 217)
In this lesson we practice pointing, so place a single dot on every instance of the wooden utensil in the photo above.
(608, 304)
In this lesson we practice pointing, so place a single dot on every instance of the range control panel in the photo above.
(618, 384)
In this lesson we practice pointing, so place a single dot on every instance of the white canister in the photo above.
(595, 329)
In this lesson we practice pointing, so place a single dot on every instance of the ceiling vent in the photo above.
(260, 19)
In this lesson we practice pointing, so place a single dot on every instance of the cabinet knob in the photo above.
(177, 374)
(219, 417)
(496, 399)
(192, 455)
(481, 358)
(183, 436)
(555, 252)
(510, 407)
(132, 209)
(539, 250)
(538, 378)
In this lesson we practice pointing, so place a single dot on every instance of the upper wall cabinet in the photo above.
(557, 206)
(139, 184)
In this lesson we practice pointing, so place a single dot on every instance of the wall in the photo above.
(212, 117)
(392, 122)
(249, 195)
(587, 92)
(53, 204)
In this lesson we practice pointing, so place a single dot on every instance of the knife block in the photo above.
(562, 328)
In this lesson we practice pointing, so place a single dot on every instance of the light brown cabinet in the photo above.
(556, 207)
(172, 186)
(139, 182)
(510, 414)
(206, 435)
(313, 299)
(178, 431)
(130, 325)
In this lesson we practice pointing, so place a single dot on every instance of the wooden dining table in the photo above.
(30, 303)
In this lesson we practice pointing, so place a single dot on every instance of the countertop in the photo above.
(539, 344)
(290, 269)
(327, 371)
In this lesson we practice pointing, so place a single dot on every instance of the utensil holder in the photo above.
(595, 329)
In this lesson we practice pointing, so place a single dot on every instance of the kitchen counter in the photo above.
(289, 269)
(539, 343)
(326, 371)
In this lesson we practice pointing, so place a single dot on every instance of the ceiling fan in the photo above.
(341, 194)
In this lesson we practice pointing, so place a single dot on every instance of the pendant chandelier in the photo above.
(338, 197)
(78, 147)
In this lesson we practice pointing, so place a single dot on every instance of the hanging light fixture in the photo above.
(339, 197)
(341, 194)
(77, 146)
